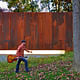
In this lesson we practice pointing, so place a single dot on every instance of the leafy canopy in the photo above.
(39, 5)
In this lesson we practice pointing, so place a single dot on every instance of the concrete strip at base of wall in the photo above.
(34, 52)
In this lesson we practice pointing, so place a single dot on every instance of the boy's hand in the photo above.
(30, 51)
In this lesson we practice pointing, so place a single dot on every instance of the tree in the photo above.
(33, 5)
(22, 5)
(57, 5)
(76, 34)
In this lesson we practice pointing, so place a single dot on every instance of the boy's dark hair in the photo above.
(23, 41)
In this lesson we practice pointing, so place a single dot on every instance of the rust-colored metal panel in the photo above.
(48, 31)
(27, 30)
(13, 32)
(44, 30)
(31, 30)
(69, 31)
(34, 31)
(1, 31)
(4, 30)
(40, 29)
(58, 30)
(17, 29)
(1, 24)
(6, 26)
(28, 37)
(20, 27)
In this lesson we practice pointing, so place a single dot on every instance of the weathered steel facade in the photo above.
(42, 31)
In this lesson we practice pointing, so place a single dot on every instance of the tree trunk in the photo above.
(76, 34)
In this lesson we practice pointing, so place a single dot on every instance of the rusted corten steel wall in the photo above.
(42, 31)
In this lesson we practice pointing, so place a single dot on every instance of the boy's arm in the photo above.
(28, 50)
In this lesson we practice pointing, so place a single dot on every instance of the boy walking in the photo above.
(20, 55)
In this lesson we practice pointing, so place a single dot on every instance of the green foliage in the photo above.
(44, 68)
(33, 6)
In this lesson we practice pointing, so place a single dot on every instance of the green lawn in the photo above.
(50, 68)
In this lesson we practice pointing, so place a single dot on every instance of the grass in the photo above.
(50, 68)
